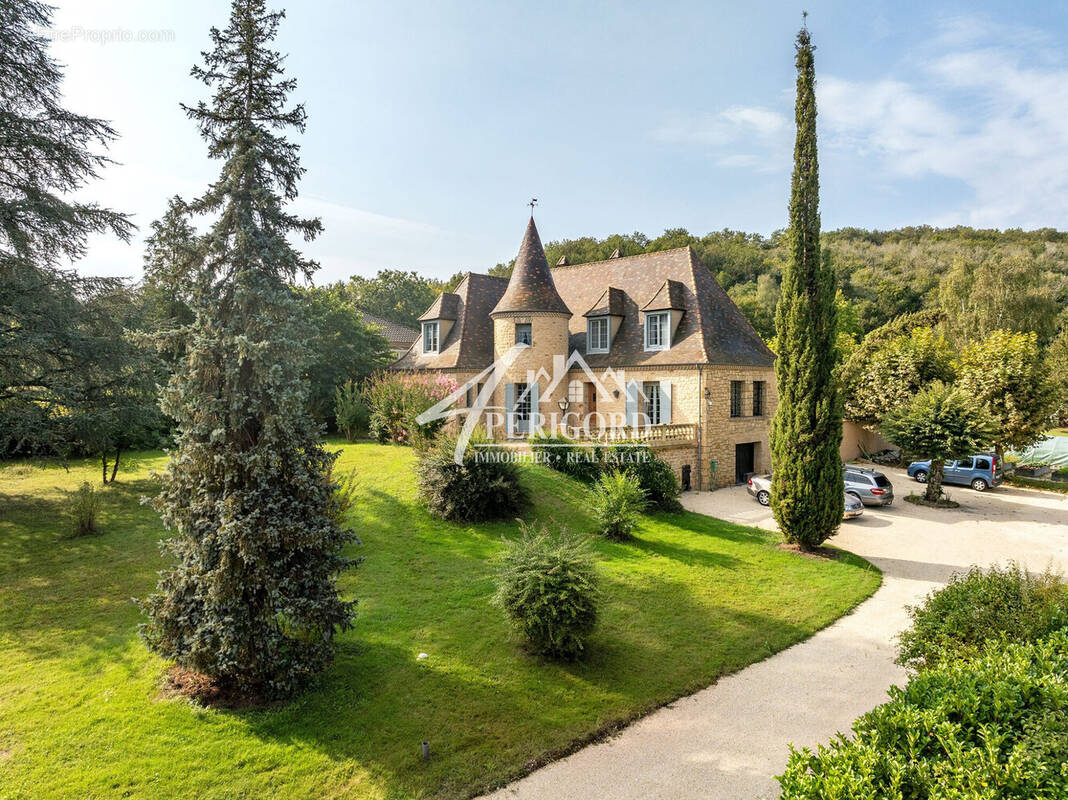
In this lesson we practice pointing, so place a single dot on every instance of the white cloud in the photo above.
(981, 114)
(725, 132)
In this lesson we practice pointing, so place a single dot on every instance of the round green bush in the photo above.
(618, 501)
(1008, 604)
(655, 476)
(484, 486)
(549, 589)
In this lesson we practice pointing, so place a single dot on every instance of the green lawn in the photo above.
(690, 599)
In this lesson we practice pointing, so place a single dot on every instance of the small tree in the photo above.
(1006, 372)
(941, 422)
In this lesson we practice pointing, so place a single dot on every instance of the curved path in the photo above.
(730, 740)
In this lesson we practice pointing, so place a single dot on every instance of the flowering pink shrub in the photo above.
(395, 399)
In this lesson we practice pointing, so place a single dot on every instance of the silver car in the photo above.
(759, 486)
(869, 486)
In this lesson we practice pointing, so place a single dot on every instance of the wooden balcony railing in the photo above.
(686, 432)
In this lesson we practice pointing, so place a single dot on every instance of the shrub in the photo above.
(655, 476)
(548, 587)
(618, 502)
(395, 399)
(564, 455)
(484, 486)
(1007, 604)
(85, 507)
(350, 410)
(993, 727)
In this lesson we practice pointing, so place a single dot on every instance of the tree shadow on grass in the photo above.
(492, 710)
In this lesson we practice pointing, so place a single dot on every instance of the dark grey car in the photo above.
(869, 486)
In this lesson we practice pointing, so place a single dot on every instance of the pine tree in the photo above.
(47, 153)
(806, 433)
(252, 601)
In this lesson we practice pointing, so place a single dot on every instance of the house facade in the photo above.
(644, 347)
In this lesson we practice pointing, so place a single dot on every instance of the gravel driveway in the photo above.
(729, 740)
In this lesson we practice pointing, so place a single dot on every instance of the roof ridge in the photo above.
(622, 258)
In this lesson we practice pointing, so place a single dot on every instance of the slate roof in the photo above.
(609, 304)
(469, 345)
(712, 329)
(670, 296)
(531, 286)
(446, 306)
(399, 336)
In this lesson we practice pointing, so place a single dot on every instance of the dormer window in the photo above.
(523, 333)
(657, 330)
(598, 335)
(430, 337)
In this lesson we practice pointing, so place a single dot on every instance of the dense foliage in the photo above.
(395, 399)
(48, 155)
(617, 501)
(394, 294)
(549, 588)
(1006, 604)
(1006, 372)
(251, 600)
(657, 479)
(892, 364)
(341, 346)
(995, 727)
(940, 423)
(806, 494)
(485, 485)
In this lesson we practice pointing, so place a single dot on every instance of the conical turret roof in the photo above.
(531, 287)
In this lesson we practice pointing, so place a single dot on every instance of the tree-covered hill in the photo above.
(1013, 278)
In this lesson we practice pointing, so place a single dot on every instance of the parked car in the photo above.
(980, 471)
(869, 486)
(759, 486)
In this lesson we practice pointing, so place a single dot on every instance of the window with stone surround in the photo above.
(736, 398)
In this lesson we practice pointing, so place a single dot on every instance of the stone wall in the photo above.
(721, 433)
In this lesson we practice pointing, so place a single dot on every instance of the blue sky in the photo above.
(432, 124)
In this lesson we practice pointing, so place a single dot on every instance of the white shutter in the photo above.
(509, 408)
(535, 415)
(665, 402)
(631, 418)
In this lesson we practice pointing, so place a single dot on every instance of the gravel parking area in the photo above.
(730, 740)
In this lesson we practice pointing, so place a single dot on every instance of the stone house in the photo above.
(643, 347)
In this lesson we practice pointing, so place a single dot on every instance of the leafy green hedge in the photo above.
(992, 727)
(1007, 603)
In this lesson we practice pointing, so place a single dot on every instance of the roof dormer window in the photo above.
(657, 330)
(598, 335)
(430, 336)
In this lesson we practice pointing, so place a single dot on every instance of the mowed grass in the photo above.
(81, 715)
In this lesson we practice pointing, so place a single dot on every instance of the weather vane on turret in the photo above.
(533, 202)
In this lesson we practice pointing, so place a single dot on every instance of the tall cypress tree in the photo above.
(252, 601)
(806, 493)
